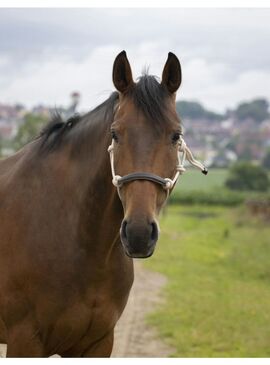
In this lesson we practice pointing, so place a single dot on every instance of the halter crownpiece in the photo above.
(166, 183)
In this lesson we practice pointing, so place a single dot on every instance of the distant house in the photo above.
(8, 129)
(223, 159)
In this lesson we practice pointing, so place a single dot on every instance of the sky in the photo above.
(45, 54)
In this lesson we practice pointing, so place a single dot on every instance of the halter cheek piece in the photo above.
(167, 183)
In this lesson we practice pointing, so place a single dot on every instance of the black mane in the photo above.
(148, 96)
(51, 135)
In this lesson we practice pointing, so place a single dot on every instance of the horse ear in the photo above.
(172, 74)
(122, 75)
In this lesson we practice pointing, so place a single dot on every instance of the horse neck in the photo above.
(101, 210)
(93, 158)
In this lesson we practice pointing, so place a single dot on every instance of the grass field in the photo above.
(193, 179)
(217, 300)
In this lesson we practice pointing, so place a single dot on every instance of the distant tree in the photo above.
(245, 154)
(194, 110)
(29, 129)
(256, 110)
(246, 176)
(232, 143)
(1, 146)
(266, 160)
(190, 109)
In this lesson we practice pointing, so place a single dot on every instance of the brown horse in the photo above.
(65, 270)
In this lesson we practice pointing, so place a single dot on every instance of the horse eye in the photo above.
(114, 136)
(176, 137)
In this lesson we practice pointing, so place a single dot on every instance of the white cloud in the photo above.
(3, 61)
(53, 79)
(223, 54)
(214, 86)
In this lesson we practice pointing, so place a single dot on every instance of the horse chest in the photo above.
(81, 323)
(88, 319)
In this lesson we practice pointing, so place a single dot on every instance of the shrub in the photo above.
(266, 160)
(216, 197)
(246, 176)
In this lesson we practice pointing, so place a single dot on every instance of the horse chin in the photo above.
(138, 255)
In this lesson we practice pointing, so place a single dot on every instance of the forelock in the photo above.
(150, 97)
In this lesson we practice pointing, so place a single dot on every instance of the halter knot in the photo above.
(115, 180)
(110, 148)
(169, 184)
(180, 168)
(182, 145)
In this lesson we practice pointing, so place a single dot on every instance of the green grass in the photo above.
(193, 179)
(217, 299)
(196, 188)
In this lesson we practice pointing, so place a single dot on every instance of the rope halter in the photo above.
(167, 183)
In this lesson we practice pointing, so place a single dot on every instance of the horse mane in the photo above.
(147, 94)
(149, 97)
(52, 134)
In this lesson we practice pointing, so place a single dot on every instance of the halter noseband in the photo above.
(166, 183)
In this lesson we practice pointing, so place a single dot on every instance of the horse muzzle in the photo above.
(139, 238)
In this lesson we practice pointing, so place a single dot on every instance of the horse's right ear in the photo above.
(122, 75)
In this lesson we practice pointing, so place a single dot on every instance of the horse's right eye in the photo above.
(176, 137)
(114, 136)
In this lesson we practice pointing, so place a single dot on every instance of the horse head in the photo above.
(145, 144)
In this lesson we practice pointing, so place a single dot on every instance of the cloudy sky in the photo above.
(47, 53)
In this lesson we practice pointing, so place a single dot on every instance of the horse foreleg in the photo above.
(3, 332)
(101, 348)
(23, 340)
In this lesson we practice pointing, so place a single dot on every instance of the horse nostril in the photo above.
(154, 233)
(139, 237)
(123, 231)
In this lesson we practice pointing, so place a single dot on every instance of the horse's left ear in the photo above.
(172, 74)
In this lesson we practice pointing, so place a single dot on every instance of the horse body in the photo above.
(64, 275)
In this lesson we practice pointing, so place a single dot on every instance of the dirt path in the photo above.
(3, 350)
(133, 337)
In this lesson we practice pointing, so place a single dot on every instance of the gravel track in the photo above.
(133, 337)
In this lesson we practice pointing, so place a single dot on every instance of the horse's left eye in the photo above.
(176, 137)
